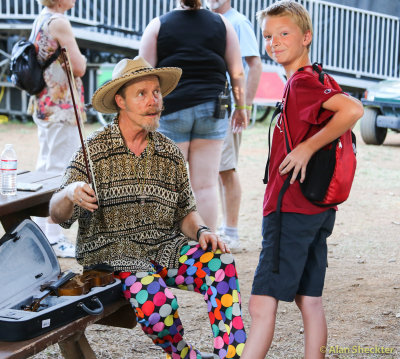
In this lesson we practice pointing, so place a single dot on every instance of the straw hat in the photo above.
(126, 70)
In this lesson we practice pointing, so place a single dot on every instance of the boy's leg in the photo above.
(315, 328)
(302, 265)
(263, 316)
(309, 293)
(213, 275)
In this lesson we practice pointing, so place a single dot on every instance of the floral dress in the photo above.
(54, 102)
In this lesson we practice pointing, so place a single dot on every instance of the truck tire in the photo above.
(370, 132)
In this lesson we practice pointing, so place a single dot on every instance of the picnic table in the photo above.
(14, 209)
(71, 337)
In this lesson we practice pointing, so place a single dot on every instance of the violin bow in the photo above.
(78, 116)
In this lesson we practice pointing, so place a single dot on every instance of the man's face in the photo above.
(215, 4)
(142, 103)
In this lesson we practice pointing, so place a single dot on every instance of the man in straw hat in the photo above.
(142, 219)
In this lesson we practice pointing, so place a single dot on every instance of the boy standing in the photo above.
(287, 30)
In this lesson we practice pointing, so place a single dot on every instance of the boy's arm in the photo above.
(348, 111)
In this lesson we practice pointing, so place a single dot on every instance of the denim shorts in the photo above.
(302, 255)
(197, 122)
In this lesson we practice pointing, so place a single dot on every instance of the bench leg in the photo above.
(76, 347)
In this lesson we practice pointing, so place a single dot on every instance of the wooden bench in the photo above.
(71, 337)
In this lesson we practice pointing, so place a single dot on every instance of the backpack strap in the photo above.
(285, 186)
(52, 58)
(35, 30)
(38, 25)
(278, 110)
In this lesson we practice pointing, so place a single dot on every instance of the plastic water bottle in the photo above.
(8, 171)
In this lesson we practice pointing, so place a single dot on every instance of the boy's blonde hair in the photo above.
(290, 8)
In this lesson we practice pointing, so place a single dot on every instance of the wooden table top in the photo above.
(25, 199)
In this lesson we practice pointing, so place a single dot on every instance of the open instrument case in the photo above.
(29, 270)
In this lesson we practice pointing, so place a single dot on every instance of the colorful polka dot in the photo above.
(148, 308)
(211, 274)
(142, 296)
(130, 280)
(136, 287)
(153, 287)
(147, 280)
(206, 257)
(214, 264)
(159, 299)
(218, 343)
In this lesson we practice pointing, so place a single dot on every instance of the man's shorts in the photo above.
(197, 122)
(230, 151)
(302, 255)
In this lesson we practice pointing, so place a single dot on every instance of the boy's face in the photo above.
(285, 42)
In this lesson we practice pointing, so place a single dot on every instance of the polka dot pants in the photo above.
(211, 274)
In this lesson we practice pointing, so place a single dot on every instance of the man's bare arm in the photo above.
(62, 203)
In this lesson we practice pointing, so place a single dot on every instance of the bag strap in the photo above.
(36, 28)
(35, 31)
(289, 146)
(52, 58)
(278, 110)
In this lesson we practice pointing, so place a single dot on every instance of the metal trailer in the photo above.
(379, 116)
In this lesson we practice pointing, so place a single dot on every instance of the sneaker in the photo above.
(64, 249)
(232, 242)
(220, 231)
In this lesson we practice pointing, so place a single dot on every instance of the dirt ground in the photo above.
(362, 290)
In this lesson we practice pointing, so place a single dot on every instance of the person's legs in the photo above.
(309, 293)
(184, 147)
(213, 275)
(57, 143)
(315, 328)
(232, 193)
(204, 157)
(230, 188)
(156, 309)
(263, 316)
(42, 127)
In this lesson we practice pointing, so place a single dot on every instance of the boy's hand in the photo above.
(297, 161)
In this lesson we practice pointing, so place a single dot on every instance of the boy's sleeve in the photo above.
(310, 94)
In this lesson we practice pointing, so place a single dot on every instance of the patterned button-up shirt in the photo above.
(141, 199)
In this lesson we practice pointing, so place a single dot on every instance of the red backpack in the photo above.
(330, 171)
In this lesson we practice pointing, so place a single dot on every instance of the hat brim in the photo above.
(103, 99)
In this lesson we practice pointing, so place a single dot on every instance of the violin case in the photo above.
(28, 267)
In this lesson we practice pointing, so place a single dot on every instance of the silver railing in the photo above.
(347, 40)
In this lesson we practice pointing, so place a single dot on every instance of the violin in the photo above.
(71, 284)
(83, 283)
